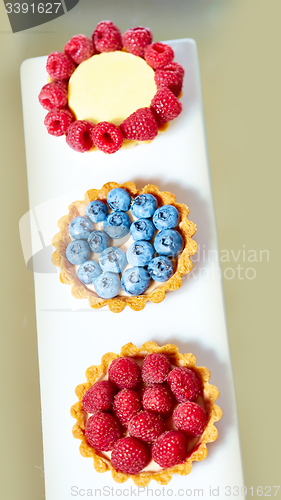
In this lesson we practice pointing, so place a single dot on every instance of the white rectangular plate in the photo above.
(193, 317)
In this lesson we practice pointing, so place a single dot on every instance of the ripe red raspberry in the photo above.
(102, 431)
(54, 95)
(140, 126)
(155, 368)
(184, 384)
(158, 54)
(99, 396)
(165, 106)
(107, 137)
(107, 37)
(79, 48)
(170, 449)
(190, 418)
(126, 405)
(175, 67)
(60, 66)
(158, 399)
(79, 136)
(170, 78)
(130, 455)
(57, 121)
(125, 373)
(135, 40)
(146, 426)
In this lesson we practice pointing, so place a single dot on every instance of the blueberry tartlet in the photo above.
(123, 246)
(109, 91)
(146, 414)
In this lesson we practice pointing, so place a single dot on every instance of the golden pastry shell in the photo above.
(210, 394)
(137, 303)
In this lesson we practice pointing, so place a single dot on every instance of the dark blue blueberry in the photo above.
(140, 253)
(80, 228)
(118, 199)
(112, 259)
(107, 285)
(168, 242)
(97, 211)
(88, 272)
(166, 217)
(98, 241)
(160, 268)
(142, 229)
(135, 280)
(77, 252)
(117, 224)
(144, 206)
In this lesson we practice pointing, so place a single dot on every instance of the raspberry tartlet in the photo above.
(135, 442)
(111, 91)
(124, 246)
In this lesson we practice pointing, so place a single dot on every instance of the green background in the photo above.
(239, 51)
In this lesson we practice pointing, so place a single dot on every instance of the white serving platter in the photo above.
(72, 338)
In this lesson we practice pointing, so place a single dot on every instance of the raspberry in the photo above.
(146, 426)
(102, 430)
(126, 405)
(140, 126)
(165, 106)
(175, 68)
(125, 373)
(158, 399)
(107, 37)
(155, 368)
(79, 48)
(79, 136)
(130, 455)
(158, 54)
(57, 121)
(170, 449)
(171, 78)
(184, 384)
(99, 396)
(135, 40)
(107, 137)
(60, 66)
(54, 95)
(190, 418)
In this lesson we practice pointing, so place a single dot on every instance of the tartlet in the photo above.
(182, 263)
(111, 91)
(210, 393)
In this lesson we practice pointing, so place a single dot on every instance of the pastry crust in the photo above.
(210, 394)
(68, 275)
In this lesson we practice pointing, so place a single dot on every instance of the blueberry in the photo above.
(142, 229)
(107, 285)
(97, 211)
(88, 272)
(98, 241)
(168, 242)
(117, 224)
(118, 199)
(113, 260)
(80, 228)
(77, 252)
(160, 268)
(135, 280)
(140, 253)
(166, 217)
(144, 206)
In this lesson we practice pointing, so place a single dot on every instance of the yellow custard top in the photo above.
(110, 86)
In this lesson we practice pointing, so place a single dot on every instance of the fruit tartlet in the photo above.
(110, 90)
(123, 246)
(146, 414)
